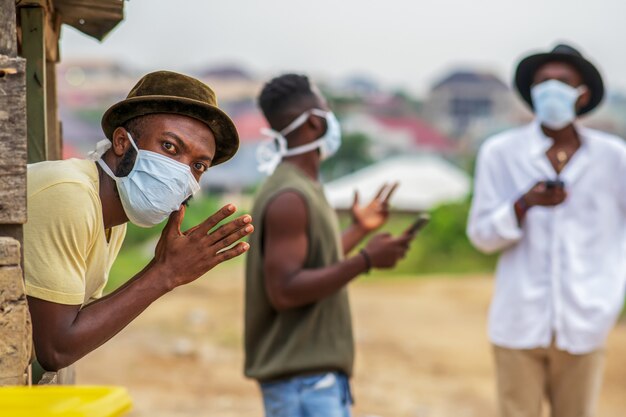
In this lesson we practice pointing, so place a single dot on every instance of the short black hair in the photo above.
(284, 95)
(135, 126)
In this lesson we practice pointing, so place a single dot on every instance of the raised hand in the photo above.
(185, 256)
(376, 213)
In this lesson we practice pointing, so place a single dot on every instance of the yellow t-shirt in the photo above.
(67, 257)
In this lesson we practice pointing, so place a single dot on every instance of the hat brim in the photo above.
(223, 128)
(591, 76)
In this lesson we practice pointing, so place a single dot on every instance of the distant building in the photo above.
(426, 181)
(392, 135)
(93, 83)
(469, 104)
(240, 173)
(226, 72)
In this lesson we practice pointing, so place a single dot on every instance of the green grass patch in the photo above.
(442, 248)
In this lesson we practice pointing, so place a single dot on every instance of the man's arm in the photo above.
(496, 216)
(63, 334)
(285, 244)
(493, 224)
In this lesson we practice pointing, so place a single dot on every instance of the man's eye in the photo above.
(199, 167)
(169, 147)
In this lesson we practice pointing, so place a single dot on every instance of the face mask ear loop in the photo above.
(132, 141)
(282, 144)
(299, 121)
(304, 148)
(106, 169)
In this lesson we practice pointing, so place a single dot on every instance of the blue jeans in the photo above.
(319, 395)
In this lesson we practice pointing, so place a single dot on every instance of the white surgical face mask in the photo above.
(154, 188)
(271, 152)
(554, 103)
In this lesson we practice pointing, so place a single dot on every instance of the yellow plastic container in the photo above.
(64, 401)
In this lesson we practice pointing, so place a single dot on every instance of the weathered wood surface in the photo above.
(33, 23)
(12, 140)
(95, 18)
(8, 42)
(15, 325)
(54, 143)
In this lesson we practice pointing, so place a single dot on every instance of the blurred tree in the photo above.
(352, 155)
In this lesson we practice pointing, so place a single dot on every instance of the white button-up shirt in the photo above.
(563, 273)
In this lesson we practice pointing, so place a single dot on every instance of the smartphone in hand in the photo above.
(552, 184)
(418, 224)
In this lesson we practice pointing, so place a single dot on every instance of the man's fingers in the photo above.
(233, 237)
(381, 191)
(537, 188)
(191, 230)
(204, 227)
(175, 221)
(355, 201)
(227, 229)
(392, 190)
(240, 248)
(404, 238)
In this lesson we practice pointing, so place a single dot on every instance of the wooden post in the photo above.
(33, 22)
(15, 326)
(54, 143)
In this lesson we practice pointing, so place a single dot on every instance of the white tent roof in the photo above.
(426, 181)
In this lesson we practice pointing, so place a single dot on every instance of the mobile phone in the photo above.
(418, 224)
(552, 184)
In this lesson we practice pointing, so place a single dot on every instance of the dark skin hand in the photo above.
(368, 218)
(285, 243)
(62, 334)
(566, 141)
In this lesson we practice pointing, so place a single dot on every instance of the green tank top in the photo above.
(312, 338)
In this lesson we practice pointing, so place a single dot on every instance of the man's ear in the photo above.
(583, 99)
(120, 142)
(317, 125)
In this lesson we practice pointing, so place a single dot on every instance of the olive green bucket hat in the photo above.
(174, 93)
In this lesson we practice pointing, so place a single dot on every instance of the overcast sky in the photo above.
(401, 43)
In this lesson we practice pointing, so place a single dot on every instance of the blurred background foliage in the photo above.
(440, 248)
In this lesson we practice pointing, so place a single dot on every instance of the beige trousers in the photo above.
(570, 383)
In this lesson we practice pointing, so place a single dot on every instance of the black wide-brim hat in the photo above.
(561, 53)
(174, 93)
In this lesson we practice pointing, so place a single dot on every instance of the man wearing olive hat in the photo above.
(551, 198)
(160, 140)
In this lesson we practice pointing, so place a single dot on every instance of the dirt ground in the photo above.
(422, 351)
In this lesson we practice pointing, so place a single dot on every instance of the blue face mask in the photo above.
(554, 103)
(270, 153)
(154, 188)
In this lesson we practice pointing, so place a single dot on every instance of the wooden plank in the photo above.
(52, 35)
(33, 21)
(95, 18)
(15, 324)
(12, 140)
(8, 40)
(54, 142)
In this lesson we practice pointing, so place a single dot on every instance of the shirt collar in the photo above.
(540, 143)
